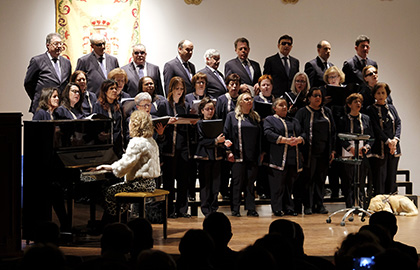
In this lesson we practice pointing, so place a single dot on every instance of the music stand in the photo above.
(357, 208)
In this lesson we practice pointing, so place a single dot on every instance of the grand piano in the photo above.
(56, 152)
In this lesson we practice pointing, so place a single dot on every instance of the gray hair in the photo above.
(139, 45)
(50, 37)
(210, 53)
(293, 86)
(142, 96)
(95, 37)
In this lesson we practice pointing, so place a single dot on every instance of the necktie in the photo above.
(325, 65)
(187, 67)
(363, 63)
(101, 63)
(141, 71)
(286, 66)
(220, 78)
(57, 68)
(247, 69)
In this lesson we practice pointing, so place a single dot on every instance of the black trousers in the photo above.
(209, 176)
(281, 183)
(314, 182)
(176, 168)
(384, 173)
(243, 178)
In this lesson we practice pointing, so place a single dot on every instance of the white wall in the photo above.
(391, 25)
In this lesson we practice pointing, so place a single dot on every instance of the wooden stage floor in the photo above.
(321, 238)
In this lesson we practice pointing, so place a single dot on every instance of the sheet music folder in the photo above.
(164, 120)
(339, 94)
(212, 128)
(186, 118)
(263, 109)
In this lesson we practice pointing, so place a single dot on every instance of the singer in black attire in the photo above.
(243, 136)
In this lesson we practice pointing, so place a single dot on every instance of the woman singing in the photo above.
(71, 103)
(283, 158)
(89, 98)
(109, 106)
(210, 152)
(386, 150)
(48, 102)
(175, 149)
(243, 135)
(319, 135)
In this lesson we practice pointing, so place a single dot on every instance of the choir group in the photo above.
(236, 130)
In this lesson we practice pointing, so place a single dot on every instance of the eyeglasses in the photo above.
(248, 99)
(371, 74)
(284, 43)
(145, 105)
(233, 83)
(75, 91)
(100, 44)
(333, 77)
(316, 95)
(139, 52)
(57, 44)
(200, 82)
(300, 81)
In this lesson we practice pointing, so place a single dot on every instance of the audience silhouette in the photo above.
(196, 249)
(218, 226)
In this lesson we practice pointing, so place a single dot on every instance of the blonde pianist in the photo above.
(139, 165)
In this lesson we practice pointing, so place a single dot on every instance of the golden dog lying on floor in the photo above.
(397, 204)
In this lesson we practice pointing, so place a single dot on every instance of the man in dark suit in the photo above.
(47, 70)
(215, 81)
(353, 67)
(97, 64)
(282, 67)
(316, 67)
(180, 66)
(247, 69)
(139, 68)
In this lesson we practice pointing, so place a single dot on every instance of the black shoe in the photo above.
(252, 213)
(236, 214)
(191, 199)
(322, 210)
(290, 213)
(307, 211)
(225, 198)
(278, 213)
(184, 215)
(173, 215)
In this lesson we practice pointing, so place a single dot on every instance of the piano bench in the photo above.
(140, 198)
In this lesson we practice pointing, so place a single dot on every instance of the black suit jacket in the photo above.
(95, 77)
(352, 68)
(175, 68)
(133, 78)
(235, 66)
(215, 87)
(41, 74)
(315, 70)
(281, 82)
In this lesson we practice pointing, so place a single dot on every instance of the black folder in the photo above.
(164, 120)
(263, 109)
(212, 128)
(340, 93)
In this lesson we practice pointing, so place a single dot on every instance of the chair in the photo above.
(140, 198)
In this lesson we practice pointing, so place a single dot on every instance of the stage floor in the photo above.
(321, 238)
